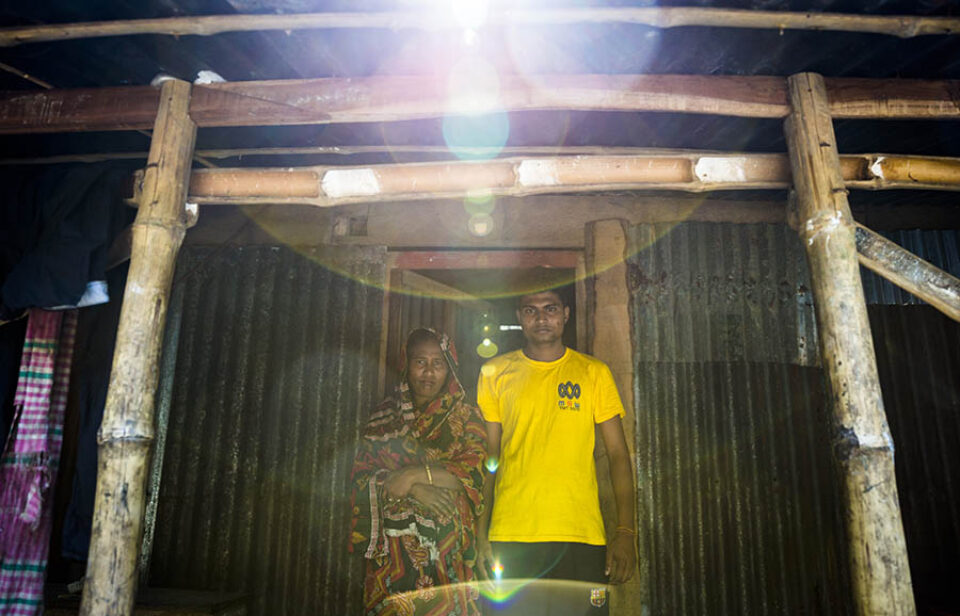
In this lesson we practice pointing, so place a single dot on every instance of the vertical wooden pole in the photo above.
(862, 442)
(606, 253)
(127, 430)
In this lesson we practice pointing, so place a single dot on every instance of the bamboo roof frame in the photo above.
(903, 26)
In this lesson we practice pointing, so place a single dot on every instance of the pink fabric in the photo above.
(29, 464)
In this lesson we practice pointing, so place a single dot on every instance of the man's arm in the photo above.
(621, 551)
(484, 552)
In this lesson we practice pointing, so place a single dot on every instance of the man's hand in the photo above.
(484, 555)
(621, 558)
(438, 500)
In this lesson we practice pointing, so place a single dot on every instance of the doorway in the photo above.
(471, 295)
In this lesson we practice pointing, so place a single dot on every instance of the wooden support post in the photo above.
(126, 433)
(862, 443)
(908, 271)
(607, 250)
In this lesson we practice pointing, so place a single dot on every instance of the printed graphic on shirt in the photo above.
(569, 396)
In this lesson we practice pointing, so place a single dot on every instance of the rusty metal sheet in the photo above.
(276, 370)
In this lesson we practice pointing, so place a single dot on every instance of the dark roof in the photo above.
(602, 48)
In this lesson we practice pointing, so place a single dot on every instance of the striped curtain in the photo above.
(29, 462)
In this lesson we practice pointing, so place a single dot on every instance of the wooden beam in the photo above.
(862, 443)
(428, 152)
(904, 26)
(908, 271)
(328, 186)
(387, 99)
(127, 430)
(412, 282)
(485, 259)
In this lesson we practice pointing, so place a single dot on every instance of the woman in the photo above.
(417, 489)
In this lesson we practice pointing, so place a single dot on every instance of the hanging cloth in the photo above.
(30, 459)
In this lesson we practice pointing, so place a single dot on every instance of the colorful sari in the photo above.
(419, 562)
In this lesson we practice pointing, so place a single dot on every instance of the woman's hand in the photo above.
(398, 483)
(439, 500)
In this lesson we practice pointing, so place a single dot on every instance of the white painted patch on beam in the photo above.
(825, 221)
(537, 173)
(350, 183)
(720, 169)
(877, 167)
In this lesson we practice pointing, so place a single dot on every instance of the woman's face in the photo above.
(427, 371)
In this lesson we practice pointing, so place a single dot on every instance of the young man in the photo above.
(542, 404)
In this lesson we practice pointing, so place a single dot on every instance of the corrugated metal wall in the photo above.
(739, 499)
(276, 370)
(918, 356)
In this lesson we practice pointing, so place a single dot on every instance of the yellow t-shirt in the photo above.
(546, 486)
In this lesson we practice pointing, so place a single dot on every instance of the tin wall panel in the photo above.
(918, 357)
(276, 370)
(738, 497)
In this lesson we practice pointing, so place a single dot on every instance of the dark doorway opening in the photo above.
(472, 296)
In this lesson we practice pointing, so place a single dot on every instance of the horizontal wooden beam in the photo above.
(411, 152)
(909, 272)
(413, 283)
(487, 259)
(688, 172)
(387, 99)
(904, 26)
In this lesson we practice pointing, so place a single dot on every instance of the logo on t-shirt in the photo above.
(569, 395)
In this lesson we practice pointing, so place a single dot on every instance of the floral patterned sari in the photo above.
(413, 554)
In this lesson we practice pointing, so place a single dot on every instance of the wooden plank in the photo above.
(127, 430)
(862, 443)
(908, 271)
(904, 26)
(386, 99)
(487, 259)
(79, 110)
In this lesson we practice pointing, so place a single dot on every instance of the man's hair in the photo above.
(558, 291)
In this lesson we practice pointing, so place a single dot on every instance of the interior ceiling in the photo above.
(600, 48)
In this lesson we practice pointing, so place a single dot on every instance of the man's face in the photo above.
(542, 317)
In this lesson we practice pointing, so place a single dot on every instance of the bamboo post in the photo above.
(126, 433)
(605, 262)
(862, 443)
(908, 271)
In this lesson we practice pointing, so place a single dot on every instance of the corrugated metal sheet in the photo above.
(276, 370)
(942, 248)
(738, 497)
(722, 292)
(918, 356)
(739, 500)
